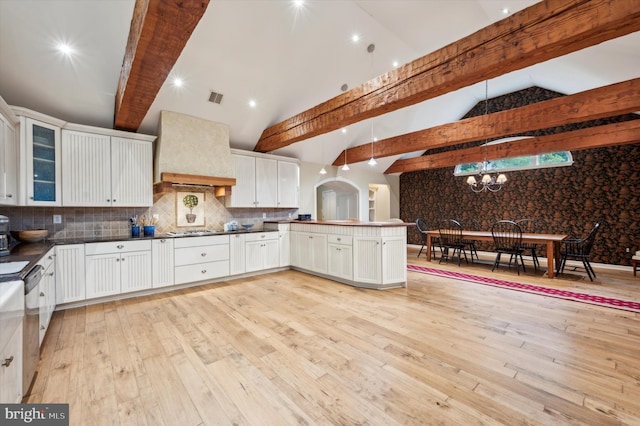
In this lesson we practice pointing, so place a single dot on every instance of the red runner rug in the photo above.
(626, 305)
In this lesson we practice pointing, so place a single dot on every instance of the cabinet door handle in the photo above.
(339, 239)
(163, 241)
(7, 361)
(203, 254)
(114, 200)
(50, 274)
(9, 195)
(42, 327)
(31, 198)
(122, 259)
(41, 294)
(120, 246)
(204, 271)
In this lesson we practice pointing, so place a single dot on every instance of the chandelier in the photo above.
(486, 181)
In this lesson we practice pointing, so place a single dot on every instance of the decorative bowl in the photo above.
(30, 235)
(247, 226)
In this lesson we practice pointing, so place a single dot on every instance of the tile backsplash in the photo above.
(88, 222)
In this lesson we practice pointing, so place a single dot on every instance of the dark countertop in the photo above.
(33, 252)
(346, 222)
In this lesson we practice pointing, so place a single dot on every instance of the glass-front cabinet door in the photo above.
(43, 163)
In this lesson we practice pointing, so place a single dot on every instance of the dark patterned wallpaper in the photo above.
(602, 185)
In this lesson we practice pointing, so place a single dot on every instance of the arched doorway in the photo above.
(337, 199)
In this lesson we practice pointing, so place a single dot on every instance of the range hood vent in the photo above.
(192, 151)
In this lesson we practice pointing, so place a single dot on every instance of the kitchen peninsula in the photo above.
(361, 254)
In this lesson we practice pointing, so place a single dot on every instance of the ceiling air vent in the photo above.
(216, 98)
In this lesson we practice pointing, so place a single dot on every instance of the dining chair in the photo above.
(421, 224)
(471, 225)
(531, 226)
(579, 249)
(451, 239)
(507, 238)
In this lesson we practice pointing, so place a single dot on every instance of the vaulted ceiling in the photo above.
(293, 62)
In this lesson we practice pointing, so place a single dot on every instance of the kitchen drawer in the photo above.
(340, 239)
(261, 236)
(201, 271)
(116, 247)
(201, 241)
(48, 259)
(193, 255)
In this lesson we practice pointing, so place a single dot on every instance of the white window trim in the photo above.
(457, 172)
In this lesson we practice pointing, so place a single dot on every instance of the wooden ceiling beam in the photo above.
(546, 30)
(159, 31)
(627, 132)
(616, 99)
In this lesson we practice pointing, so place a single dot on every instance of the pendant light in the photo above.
(346, 166)
(372, 162)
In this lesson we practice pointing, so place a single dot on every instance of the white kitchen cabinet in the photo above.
(310, 251)
(70, 273)
(117, 267)
(11, 368)
(288, 184)
(131, 172)
(236, 254)
(376, 260)
(340, 256)
(86, 169)
(243, 193)
(261, 251)
(40, 142)
(100, 169)
(284, 245)
(8, 156)
(47, 292)
(162, 264)
(201, 258)
(264, 181)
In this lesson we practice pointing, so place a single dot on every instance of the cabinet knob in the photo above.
(203, 254)
(163, 241)
(204, 271)
(122, 260)
(50, 274)
(41, 294)
(120, 246)
(339, 239)
(108, 200)
(117, 260)
(262, 236)
(42, 327)
(7, 361)
(9, 195)
(31, 198)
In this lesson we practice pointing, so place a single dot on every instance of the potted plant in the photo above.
(190, 201)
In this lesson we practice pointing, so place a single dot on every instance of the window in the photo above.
(551, 159)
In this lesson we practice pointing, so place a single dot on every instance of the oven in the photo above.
(31, 327)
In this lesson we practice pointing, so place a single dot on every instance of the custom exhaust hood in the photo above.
(192, 151)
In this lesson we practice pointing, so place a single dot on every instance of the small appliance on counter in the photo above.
(4, 236)
(231, 226)
(304, 216)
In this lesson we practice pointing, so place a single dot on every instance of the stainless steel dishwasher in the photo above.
(31, 327)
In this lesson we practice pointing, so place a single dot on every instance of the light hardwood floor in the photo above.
(288, 348)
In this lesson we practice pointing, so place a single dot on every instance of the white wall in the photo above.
(310, 178)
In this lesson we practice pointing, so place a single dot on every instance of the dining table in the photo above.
(552, 241)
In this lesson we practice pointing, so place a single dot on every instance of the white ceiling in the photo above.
(284, 58)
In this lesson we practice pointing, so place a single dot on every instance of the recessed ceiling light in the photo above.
(252, 103)
(66, 49)
(375, 139)
(177, 82)
(344, 130)
(395, 64)
(505, 10)
(355, 38)
(298, 3)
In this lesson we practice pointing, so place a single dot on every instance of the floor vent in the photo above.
(216, 98)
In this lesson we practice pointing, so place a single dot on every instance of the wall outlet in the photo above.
(57, 218)
(264, 215)
(628, 250)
